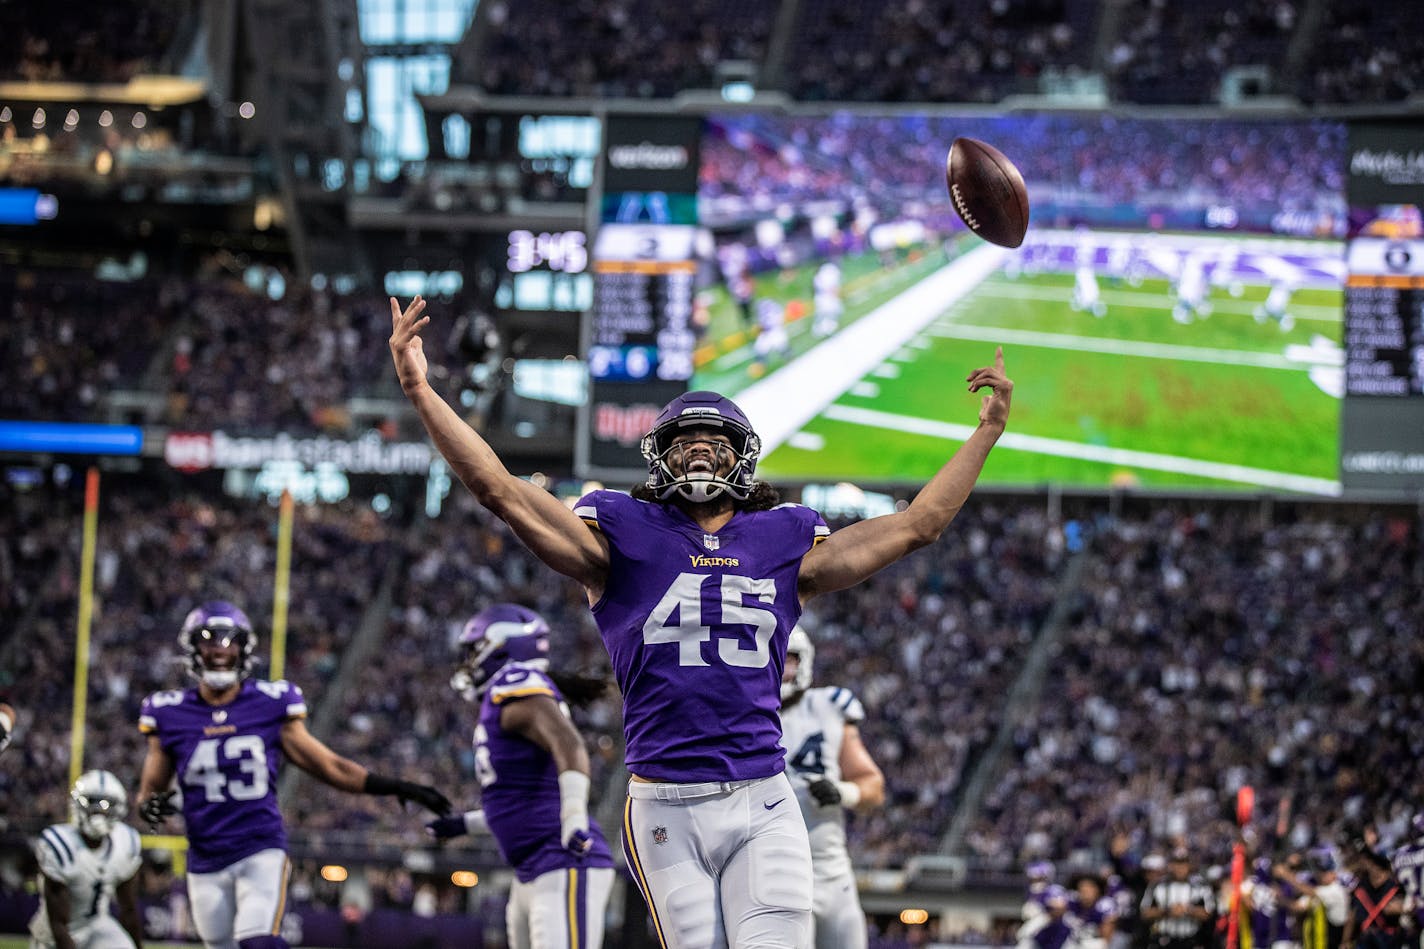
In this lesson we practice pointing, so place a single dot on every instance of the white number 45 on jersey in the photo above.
(685, 598)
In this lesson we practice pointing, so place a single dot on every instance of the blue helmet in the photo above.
(494, 637)
(706, 411)
(221, 622)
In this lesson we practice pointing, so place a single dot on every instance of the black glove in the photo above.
(825, 792)
(158, 808)
(422, 794)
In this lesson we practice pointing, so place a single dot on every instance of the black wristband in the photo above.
(375, 784)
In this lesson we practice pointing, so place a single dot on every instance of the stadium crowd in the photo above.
(1208, 651)
(753, 164)
(934, 50)
(188, 349)
(617, 48)
(1152, 52)
(88, 40)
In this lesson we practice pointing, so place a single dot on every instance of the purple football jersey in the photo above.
(696, 627)
(520, 783)
(226, 758)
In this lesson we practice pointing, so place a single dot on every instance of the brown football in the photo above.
(987, 191)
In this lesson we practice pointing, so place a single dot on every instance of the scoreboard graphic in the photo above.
(640, 338)
(1382, 416)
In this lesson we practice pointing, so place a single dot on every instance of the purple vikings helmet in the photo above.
(494, 637)
(221, 622)
(711, 412)
(1416, 826)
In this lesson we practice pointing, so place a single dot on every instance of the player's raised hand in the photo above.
(407, 349)
(995, 408)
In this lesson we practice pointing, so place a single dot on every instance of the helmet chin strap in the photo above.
(700, 486)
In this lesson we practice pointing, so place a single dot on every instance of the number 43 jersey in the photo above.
(696, 626)
(226, 758)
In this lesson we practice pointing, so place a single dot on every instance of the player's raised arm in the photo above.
(547, 527)
(307, 752)
(854, 553)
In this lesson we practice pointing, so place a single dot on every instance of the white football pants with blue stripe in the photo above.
(721, 865)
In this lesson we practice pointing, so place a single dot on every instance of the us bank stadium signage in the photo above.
(369, 454)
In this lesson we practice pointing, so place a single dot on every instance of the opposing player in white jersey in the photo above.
(826, 292)
(772, 340)
(85, 863)
(832, 772)
(1192, 290)
(696, 579)
(1087, 298)
(1276, 306)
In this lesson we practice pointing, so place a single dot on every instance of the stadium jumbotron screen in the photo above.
(1173, 319)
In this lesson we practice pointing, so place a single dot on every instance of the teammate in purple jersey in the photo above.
(224, 741)
(534, 777)
(695, 584)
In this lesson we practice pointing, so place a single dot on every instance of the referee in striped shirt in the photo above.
(1180, 909)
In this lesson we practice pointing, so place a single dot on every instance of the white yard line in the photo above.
(1127, 347)
(786, 400)
(1151, 301)
(1035, 444)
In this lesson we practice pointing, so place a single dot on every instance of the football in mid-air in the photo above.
(987, 191)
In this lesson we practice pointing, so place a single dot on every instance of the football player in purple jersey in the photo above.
(695, 582)
(534, 776)
(224, 741)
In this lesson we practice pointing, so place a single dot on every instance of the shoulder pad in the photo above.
(847, 705)
(518, 681)
(288, 694)
(55, 850)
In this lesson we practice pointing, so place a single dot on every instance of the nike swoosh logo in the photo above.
(773, 803)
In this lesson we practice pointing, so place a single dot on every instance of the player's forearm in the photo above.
(937, 503)
(468, 455)
(869, 792)
(341, 773)
(154, 777)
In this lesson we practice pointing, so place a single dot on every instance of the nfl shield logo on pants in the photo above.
(660, 835)
(711, 541)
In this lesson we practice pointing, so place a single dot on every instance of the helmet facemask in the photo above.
(97, 804)
(219, 624)
(799, 645)
(714, 415)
